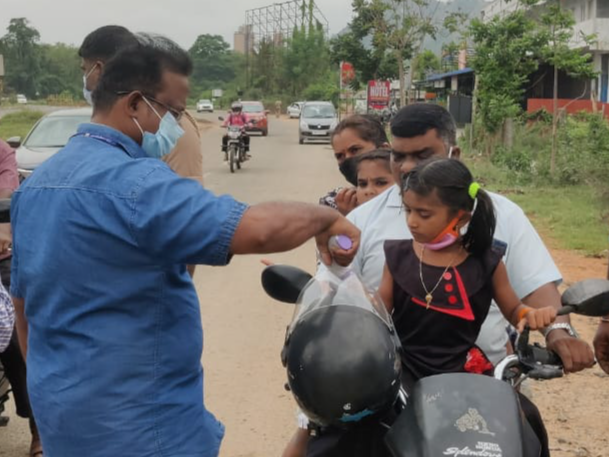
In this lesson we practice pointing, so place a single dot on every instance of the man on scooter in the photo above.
(236, 118)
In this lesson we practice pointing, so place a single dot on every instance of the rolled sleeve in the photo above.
(176, 220)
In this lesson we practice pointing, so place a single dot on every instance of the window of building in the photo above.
(602, 8)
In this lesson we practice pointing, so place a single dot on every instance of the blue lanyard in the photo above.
(109, 141)
(103, 139)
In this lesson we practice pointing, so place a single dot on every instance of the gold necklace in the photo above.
(429, 296)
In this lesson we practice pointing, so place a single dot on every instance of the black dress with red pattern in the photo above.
(441, 338)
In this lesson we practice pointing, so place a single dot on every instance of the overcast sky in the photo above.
(69, 21)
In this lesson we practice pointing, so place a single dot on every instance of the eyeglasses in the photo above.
(174, 112)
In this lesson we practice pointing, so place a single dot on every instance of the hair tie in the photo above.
(473, 190)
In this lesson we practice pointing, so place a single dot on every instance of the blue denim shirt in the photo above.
(102, 235)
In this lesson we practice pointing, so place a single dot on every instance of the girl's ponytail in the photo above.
(481, 229)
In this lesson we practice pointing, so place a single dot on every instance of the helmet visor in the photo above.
(327, 289)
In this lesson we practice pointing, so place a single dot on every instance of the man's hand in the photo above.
(341, 227)
(346, 200)
(601, 346)
(576, 354)
(6, 238)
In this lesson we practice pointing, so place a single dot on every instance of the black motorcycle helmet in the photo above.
(343, 364)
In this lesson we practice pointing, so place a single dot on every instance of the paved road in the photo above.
(244, 330)
(44, 108)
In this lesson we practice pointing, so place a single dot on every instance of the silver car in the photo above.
(317, 121)
(49, 135)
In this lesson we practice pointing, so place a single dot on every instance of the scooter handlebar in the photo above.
(546, 372)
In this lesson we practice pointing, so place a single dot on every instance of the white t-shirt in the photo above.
(529, 264)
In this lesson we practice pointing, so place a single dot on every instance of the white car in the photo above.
(205, 105)
(294, 109)
(21, 99)
(49, 135)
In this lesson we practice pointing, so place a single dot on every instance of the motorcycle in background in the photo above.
(236, 145)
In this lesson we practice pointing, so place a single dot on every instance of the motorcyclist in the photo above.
(236, 118)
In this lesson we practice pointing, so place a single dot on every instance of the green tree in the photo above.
(398, 28)
(21, 50)
(557, 30)
(427, 63)
(214, 64)
(267, 67)
(306, 59)
(506, 55)
(60, 71)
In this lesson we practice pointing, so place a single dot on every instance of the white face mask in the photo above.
(88, 94)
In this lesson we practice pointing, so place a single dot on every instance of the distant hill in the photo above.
(441, 9)
(470, 7)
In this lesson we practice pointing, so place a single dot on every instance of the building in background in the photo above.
(592, 18)
(243, 41)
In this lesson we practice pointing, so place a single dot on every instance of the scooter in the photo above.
(235, 146)
(458, 414)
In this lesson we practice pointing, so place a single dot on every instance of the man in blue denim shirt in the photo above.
(106, 312)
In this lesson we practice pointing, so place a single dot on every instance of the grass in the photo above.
(18, 123)
(574, 216)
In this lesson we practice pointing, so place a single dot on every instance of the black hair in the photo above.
(419, 118)
(368, 128)
(382, 155)
(451, 180)
(139, 68)
(105, 42)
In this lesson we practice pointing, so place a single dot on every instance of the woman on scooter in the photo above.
(440, 285)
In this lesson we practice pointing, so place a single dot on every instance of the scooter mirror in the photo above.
(588, 298)
(220, 118)
(284, 282)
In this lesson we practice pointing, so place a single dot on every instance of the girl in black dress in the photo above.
(440, 284)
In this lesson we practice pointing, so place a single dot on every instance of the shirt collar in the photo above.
(394, 199)
(113, 136)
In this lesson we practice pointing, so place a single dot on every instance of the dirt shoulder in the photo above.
(575, 408)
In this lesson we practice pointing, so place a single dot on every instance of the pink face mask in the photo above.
(446, 237)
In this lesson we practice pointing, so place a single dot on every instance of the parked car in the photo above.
(205, 105)
(49, 135)
(254, 111)
(317, 121)
(294, 109)
(21, 99)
